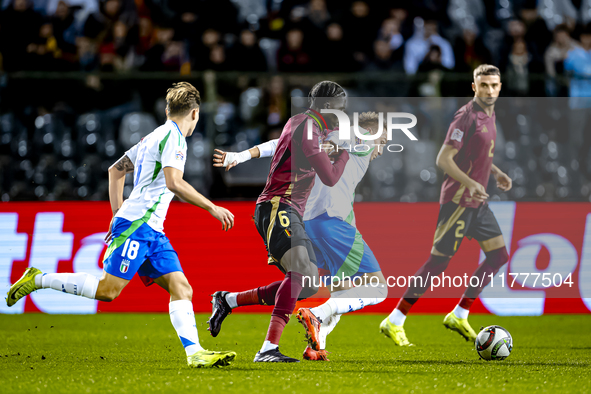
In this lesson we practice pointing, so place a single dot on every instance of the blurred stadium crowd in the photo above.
(521, 36)
(82, 80)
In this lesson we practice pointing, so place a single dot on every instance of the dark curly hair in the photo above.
(323, 91)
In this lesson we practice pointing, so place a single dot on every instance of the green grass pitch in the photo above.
(140, 353)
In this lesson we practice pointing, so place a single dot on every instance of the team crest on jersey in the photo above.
(180, 155)
(457, 135)
(124, 266)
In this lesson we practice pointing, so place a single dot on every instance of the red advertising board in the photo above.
(542, 238)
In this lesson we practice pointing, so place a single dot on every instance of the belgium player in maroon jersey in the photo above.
(279, 220)
(467, 159)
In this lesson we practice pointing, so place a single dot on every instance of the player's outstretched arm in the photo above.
(176, 184)
(117, 174)
(503, 181)
(445, 161)
(232, 159)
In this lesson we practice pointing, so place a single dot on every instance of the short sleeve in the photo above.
(458, 129)
(174, 151)
(132, 152)
(311, 146)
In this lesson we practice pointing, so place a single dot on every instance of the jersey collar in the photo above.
(478, 107)
(176, 126)
(318, 118)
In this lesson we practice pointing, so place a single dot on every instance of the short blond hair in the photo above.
(181, 98)
(368, 119)
(486, 69)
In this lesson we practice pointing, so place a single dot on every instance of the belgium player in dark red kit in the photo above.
(467, 159)
(279, 220)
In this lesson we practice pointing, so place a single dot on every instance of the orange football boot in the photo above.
(313, 355)
(311, 325)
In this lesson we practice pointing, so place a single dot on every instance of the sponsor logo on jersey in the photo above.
(124, 266)
(457, 135)
(179, 155)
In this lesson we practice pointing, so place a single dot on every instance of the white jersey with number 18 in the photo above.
(150, 198)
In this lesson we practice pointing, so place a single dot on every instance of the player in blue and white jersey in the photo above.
(339, 247)
(136, 240)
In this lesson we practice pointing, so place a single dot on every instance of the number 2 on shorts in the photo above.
(461, 224)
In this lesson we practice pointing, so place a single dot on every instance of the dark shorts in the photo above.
(456, 222)
(281, 228)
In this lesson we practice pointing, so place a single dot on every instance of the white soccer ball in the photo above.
(494, 343)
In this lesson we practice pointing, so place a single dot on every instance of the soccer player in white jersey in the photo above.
(136, 239)
(330, 223)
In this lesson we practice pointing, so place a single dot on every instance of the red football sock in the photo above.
(248, 297)
(434, 266)
(466, 302)
(284, 305)
(275, 329)
(267, 294)
(404, 306)
(264, 295)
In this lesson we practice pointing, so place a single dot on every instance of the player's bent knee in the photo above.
(107, 295)
(181, 292)
(312, 272)
(109, 288)
(497, 258)
(435, 252)
(310, 284)
(109, 298)
(308, 292)
(188, 292)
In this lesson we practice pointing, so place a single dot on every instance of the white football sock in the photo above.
(326, 328)
(397, 317)
(461, 312)
(268, 346)
(231, 300)
(351, 300)
(324, 311)
(183, 321)
(81, 284)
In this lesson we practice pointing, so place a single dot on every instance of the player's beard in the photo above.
(487, 101)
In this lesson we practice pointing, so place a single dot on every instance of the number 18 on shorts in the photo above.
(136, 247)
